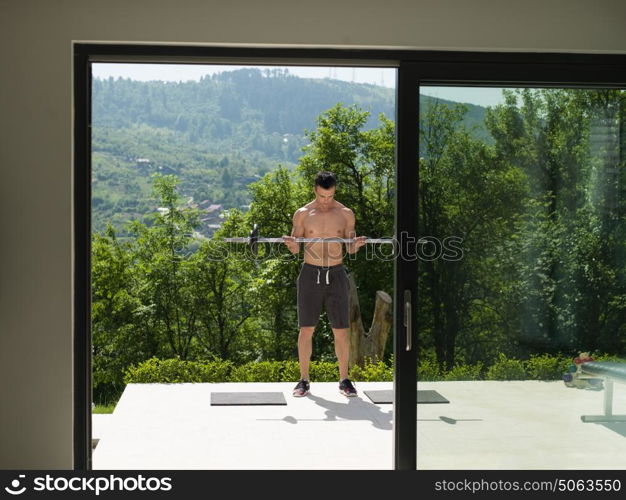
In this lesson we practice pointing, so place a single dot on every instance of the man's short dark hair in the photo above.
(325, 180)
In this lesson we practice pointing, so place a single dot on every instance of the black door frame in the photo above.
(415, 68)
(477, 70)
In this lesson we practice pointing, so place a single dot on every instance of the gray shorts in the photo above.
(323, 286)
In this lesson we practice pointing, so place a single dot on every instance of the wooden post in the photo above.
(371, 344)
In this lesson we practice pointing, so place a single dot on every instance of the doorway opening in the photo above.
(182, 157)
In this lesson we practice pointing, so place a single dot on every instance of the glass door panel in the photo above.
(522, 277)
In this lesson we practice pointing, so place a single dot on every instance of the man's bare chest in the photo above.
(324, 224)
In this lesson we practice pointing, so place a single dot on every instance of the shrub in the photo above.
(215, 371)
(372, 372)
(464, 372)
(547, 367)
(427, 369)
(538, 367)
(607, 357)
(322, 371)
(175, 370)
(291, 371)
(506, 369)
(263, 371)
(172, 371)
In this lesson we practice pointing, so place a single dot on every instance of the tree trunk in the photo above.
(371, 344)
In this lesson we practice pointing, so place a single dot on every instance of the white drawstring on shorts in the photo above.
(318, 276)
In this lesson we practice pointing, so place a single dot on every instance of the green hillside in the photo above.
(217, 135)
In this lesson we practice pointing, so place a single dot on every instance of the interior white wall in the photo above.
(36, 143)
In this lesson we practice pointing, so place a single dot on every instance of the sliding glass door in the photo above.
(521, 276)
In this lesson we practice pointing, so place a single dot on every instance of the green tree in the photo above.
(161, 258)
(466, 192)
(222, 298)
(117, 342)
(275, 198)
(571, 250)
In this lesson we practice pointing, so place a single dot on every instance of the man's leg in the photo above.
(310, 299)
(305, 348)
(342, 350)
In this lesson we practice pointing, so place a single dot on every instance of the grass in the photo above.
(103, 408)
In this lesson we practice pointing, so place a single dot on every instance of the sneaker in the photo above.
(346, 388)
(301, 389)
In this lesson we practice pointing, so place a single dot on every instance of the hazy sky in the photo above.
(376, 76)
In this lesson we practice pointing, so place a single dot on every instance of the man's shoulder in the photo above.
(302, 211)
(305, 208)
(345, 210)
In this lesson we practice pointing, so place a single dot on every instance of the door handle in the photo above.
(407, 319)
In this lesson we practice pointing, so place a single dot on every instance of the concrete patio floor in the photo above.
(520, 425)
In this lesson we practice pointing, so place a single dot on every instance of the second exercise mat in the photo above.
(247, 399)
(423, 397)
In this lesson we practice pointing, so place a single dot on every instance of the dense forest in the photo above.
(537, 201)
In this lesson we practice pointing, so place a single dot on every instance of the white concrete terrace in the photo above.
(519, 425)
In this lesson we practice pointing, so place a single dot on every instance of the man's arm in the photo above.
(351, 232)
(297, 231)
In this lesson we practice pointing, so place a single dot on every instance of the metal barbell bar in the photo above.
(254, 239)
(308, 240)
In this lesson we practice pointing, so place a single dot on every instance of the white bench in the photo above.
(610, 372)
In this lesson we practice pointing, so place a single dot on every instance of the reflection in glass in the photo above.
(534, 188)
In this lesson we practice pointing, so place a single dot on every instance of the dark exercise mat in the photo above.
(247, 398)
(423, 397)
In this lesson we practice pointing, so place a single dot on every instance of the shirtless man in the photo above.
(323, 279)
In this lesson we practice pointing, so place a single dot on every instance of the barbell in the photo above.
(254, 239)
